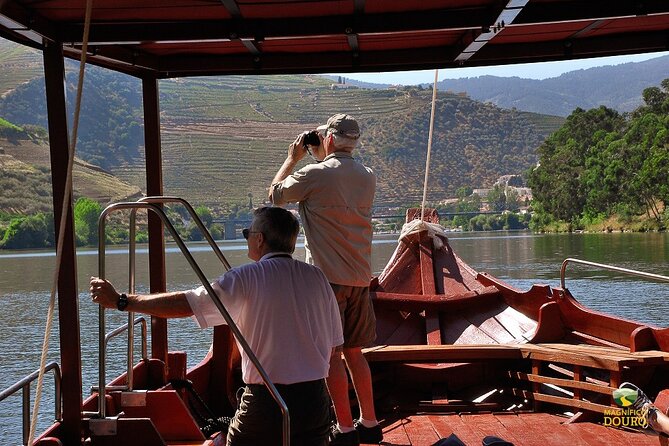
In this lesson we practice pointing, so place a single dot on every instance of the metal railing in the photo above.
(631, 272)
(150, 205)
(117, 331)
(24, 384)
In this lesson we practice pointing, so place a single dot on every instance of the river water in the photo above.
(519, 258)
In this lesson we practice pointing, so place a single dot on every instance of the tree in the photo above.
(559, 181)
(27, 232)
(205, 215)
(497, 199)
(86, 215)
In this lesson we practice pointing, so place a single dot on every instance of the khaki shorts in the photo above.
(357, 315)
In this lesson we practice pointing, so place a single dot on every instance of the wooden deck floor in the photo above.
(526, 429)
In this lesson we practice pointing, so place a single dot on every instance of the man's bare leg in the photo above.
(337, 381)
(362, 381)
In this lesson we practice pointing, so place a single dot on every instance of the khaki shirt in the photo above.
(335, 202)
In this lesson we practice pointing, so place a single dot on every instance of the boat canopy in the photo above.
(175, 38)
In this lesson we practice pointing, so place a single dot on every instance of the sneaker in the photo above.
(646, 409)
(638, 399)
(340, 438)
(369, 435)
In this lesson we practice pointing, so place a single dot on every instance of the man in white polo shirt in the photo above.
(287, 312)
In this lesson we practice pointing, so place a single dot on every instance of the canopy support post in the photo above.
(154, 187)
(68, 302)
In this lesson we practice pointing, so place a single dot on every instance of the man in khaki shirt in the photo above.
(335, 198)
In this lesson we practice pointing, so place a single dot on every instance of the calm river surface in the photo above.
(520, 258)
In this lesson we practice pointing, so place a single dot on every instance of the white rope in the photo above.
(63, 221)
(429, 145)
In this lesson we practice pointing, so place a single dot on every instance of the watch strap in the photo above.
(122, 302)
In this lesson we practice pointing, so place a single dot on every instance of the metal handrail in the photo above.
(210, 291)
(24, 384)
(138, 321)
(632, 272)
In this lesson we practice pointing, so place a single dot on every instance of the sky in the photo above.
(541, 70)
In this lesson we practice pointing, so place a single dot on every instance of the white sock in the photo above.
(344, 429)
(368, 423)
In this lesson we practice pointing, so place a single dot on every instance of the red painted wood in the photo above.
(398, 328)
(131, 432)
(68, 293)
(420, 431)
(435, 302)
(455, 424)
(548, 427)
(662, 401)
(642, 338)
(394, 433)
(549, 326)
(518, 431)
(48, 441)
(594, 323)
(154, 186)
(487, 424)
(169, 414)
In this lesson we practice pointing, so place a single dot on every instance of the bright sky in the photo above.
(532, 71)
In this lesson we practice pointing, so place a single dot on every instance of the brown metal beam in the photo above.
(427, 58)
(562, 11)
(154, 186)
(285, 28)
(68, 296)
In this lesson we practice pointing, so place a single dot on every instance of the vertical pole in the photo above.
(68, 303)
(154, 186)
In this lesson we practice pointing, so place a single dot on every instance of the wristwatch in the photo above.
(122, 302)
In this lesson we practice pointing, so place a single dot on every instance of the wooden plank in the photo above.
(579, 385)
(441, 353)
(394, 433)
(447, 424)
(458, 330)
(436, 302)
(488, 424)
(486, 322)
(555, 355)
(421, 431)
(516, 323)
(569, 402)
(523, 434)
(550, 428)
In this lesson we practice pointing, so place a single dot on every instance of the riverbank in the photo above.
(615, 223)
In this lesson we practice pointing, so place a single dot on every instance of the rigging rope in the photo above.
(429, 146)
(63, 220)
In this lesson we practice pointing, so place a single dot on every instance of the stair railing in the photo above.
(24, 385)
(150, 206)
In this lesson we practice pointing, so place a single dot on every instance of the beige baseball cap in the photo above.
(342, 124)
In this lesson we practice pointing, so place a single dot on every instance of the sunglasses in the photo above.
(247, 231)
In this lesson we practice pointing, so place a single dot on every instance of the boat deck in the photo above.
(525, 429)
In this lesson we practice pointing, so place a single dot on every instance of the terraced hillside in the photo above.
(233, 136)
(225, 137)
(19, 65)
(25, 176)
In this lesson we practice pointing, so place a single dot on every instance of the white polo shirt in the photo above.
(287, 312)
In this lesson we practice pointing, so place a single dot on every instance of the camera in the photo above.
(311, 139)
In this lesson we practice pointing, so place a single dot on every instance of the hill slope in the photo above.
(618, 87)
(25, 175)
(224, 138)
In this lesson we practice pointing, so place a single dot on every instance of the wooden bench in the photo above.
(578, 357)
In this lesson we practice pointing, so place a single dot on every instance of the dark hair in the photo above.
(278, 226)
